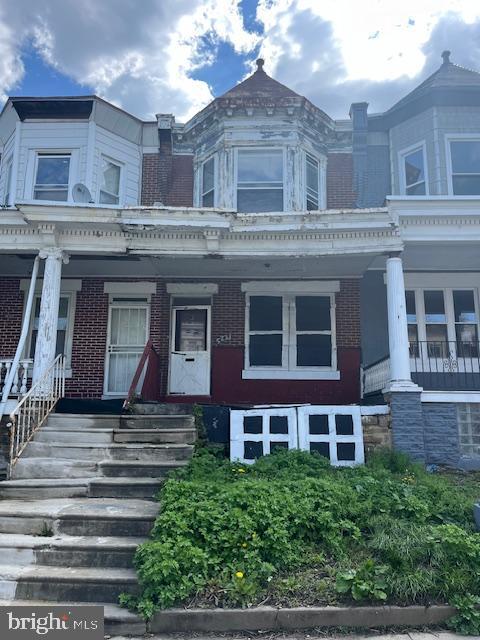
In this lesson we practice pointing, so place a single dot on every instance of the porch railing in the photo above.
(35, 407)
(446, 365)
(434, 365)
(20, 379)
(149, 366)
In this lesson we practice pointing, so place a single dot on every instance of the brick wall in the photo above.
(168, 179)
(340, 193)
(89, 341)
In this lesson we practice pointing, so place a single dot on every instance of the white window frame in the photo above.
(237, 150)
(457, 137)
(308, 155)
(72, 302)
(289, 369)
(31, 173)
(214, 188)
(121, 166)
(7, 185)
(402, 155)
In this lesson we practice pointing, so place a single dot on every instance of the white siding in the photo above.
(41, 136)
(7, 155)
(125, 152)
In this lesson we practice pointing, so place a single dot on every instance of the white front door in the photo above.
(127, 336)
(190, 351)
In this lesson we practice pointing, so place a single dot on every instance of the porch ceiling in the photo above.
(207, 267)
(441, 256)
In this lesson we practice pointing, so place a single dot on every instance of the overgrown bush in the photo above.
(232, 534)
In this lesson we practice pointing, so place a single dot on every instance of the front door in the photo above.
(127, 336)
(190, 351)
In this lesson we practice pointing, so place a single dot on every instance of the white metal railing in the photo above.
(376, 376)
(20, 377)
(34, 408)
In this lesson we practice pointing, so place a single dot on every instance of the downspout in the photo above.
(23, 336)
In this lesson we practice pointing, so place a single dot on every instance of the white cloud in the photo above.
(141, 54)
(326, 50)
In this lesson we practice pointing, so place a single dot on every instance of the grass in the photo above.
(293, 531)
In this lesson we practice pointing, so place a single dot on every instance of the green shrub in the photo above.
(387, 530)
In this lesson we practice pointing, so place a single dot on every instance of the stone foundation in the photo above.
(377, 432)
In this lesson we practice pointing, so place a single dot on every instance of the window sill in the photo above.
(282, 374)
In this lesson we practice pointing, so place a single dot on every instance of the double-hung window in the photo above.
(259, 180)
(208, 183)
(289, 333)
(465, 167)
(414, 172)
(110, 181)
(312, 182)
(52, 174)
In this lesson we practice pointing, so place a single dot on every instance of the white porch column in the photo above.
(400, 376)
(48, 320)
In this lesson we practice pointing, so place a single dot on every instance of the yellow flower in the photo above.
(241, 471)
(244, 544)
(239, 575)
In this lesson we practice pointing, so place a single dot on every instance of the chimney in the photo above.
(359, 117)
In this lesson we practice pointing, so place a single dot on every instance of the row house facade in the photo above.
(260, 254)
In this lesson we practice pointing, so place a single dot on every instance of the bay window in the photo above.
(259, 180)
(465, 167)
(208, 183)
(413, 172)
(109, 181)
(52, 174)
(289, 335)
(312, 182)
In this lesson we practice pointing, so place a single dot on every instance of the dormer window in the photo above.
(52, 177)
(208, 183)
(259, 180)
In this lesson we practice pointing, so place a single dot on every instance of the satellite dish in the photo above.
(81, 193)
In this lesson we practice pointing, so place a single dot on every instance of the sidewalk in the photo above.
(412, 635)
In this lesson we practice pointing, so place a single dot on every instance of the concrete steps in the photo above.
(79, 503)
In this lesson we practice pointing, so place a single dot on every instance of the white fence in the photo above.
(333, 431)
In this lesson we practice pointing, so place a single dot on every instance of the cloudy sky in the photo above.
(174, 56)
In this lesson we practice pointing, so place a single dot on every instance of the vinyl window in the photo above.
(259, 180)
(110, 181)
(465, 167)
(52, 174)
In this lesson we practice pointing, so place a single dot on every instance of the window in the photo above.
(52, 177)
(465, 166)
(208, 183)
(8, 183)
(445, 319)
(110, 182)
(259, 180)
(290, 332)
(468, 417)
(64, 327)
(414, 173)
(312, 181)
